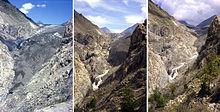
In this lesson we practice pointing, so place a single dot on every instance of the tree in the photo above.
(129, 102)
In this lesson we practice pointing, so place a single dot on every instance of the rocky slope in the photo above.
(47, 82)
(7, 74)
(201, 83)
(196, 87)
(14, 24)
(106, 65)
(171, 48)
(90, 54)
(38, 71)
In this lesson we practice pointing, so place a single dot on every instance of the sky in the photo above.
(116, 15)
(46, 11)
(191, 11)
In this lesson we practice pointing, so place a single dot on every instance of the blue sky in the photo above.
(47, 11)
(117, 15)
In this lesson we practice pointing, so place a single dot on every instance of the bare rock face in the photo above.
(171, 48)
(212, 42)
(6, 72)
(61, 107)
(14, 23)
(131, 73)
(202, 94)
(49, 86)
(91, 52)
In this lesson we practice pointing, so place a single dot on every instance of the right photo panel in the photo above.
(183, 56)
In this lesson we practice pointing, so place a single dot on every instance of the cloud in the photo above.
(98, 20)
(133, 19)
(125, 2)
(26, 7)
(92, 3)
(192, 11)
(43, 5)
(103, 4)
(116, 30)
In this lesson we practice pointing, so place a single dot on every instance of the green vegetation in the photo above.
(185, 86)
(77, 108)
(60, 100)
(172, 90)
(210, 71)
(92, 104)
(157, 99)
(129, 102)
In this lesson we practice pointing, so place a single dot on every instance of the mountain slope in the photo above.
(48, 82)
(80, 22)
(171, 48)
(130, 29)
(91, 52)
(14, 22)
(206, 22)
(127, 76)
(187, 24)
(201, 92)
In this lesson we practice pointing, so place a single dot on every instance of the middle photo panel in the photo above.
(110, 55)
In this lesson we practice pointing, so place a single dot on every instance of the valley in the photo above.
(183, 63)
(106, 66)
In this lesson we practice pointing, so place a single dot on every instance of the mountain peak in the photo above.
(130, 29)
(206, 22)
(105, 29)
(186, 24)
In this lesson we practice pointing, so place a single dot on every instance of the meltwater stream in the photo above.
(99, 77)
(174, 71)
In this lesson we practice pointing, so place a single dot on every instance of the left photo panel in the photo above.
(36, 56)
(110, 55)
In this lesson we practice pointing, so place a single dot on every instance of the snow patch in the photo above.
(57, 34)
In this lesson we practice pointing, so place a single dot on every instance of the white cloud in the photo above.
(98, 20)
(43, 5)
(125, 2)
(103, 4)
(23, 10)
(26, 7)
(144, 9)
(116, 30)
(133, 19)
(92, 3)
(192, 11)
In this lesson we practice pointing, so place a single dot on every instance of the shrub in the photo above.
(185, 86)
(129, 102)
(93, 103)
(210, 71)
(172, 89)
(77, 108)
(157, 98)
